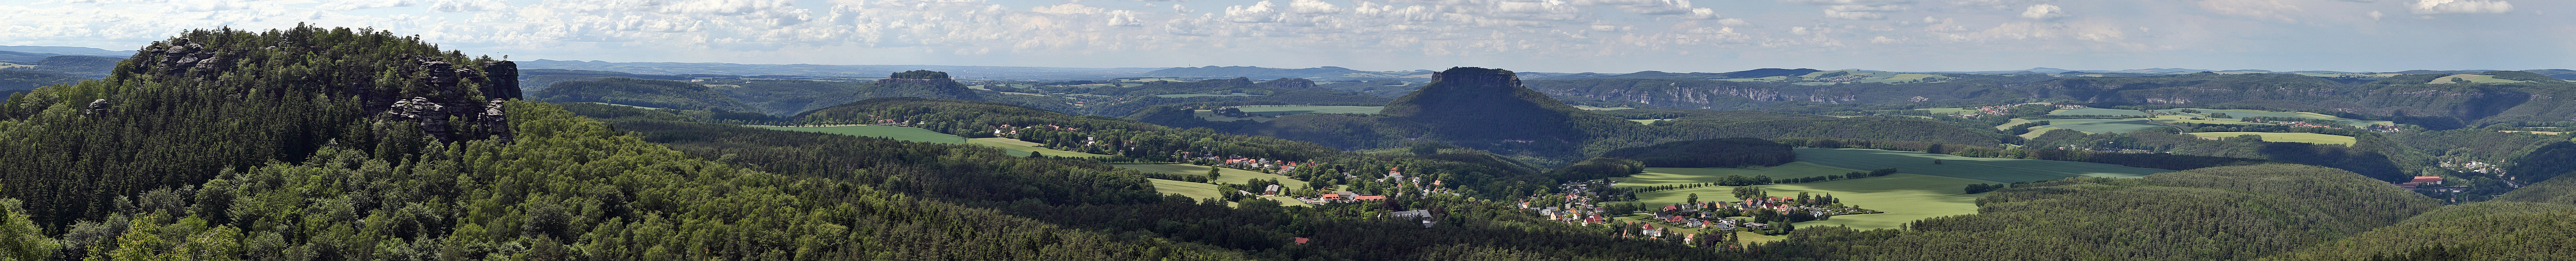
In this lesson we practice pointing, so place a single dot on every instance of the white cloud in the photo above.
(1312, 7)
(459, 6)
(2043, 12)
(2460, 7)
(1069, 8)
(365, 4)
(1261, 12)
(1861, 12)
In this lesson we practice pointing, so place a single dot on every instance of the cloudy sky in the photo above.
(1524, 35)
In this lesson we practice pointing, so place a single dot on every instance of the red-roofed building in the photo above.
(1300, 240)
(2428, 180)
(1332, 196)
(1371, 197)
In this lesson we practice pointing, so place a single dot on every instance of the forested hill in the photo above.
(352, 144)
(186, 109)
(2238, 212)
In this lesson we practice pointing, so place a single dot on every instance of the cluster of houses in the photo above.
(1344, 196)
(1248, 163)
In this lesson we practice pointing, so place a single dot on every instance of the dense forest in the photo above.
(313, 143)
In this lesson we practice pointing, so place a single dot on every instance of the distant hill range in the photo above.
(980, 72)
(1318, 73)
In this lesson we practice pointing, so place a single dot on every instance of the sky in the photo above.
(1383, 35)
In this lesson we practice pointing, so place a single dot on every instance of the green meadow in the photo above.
(1681, 176)
(1905, 198)
(2286, 137)
(1225, 175)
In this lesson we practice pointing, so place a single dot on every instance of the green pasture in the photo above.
(2103, 125)
(1590, 108)
(2258, 113)
(1276, 110)
(2098, 111)
(1211, 116)
(1019, 147)
(881, 131)
(1204, 191)
(1648, 121)
(1949, 110)
(1905, 198)
(1225, 175)
(1987, 169)
(2285, 137)
(1681, 176)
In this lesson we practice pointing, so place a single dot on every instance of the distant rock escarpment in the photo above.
(923, 84)
(449, 97)
(1469, 103)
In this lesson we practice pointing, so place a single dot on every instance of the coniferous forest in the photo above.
(314, 143)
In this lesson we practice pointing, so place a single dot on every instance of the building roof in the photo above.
(2427, 179)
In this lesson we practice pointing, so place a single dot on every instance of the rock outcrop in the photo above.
(920, 83)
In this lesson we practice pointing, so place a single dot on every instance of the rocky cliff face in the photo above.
(1469, 103)
(446, 100)
(924, 84)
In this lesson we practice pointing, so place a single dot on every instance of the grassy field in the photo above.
(1276, 110)
(2286, 137)
(1203, 95)
(2103, 125)
(1646, 121)
(1987, 169)
(1205, 191)
(1590, 108)
(1949, 110)
(2098, 111)
(1678, 176)
(1905, 198)
(1234, 176)
(2256, 113)
(890, 132)
(1211, 116)
(1018, 147)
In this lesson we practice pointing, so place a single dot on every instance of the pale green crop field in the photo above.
(2286, 137)
(1681, 176)
(2098, 111)
(1018, 147)
(2103, 125)
(1225, 175)
(1905, 198)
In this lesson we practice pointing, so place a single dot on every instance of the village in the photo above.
(1586, 203)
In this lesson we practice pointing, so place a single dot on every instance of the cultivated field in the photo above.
(2474, 78)
(1234, 176)
(1276, 110)
(1987, 169)
(1680, 176)
(880, 131)
(1646, 121)
(2286, 137)
(1949, 110)
(1205, 191)
(1905, 198)
(2255, 113)
(2098, 111)
(2103, 125)
(1018, 147)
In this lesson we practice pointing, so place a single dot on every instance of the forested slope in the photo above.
(2237, 212)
